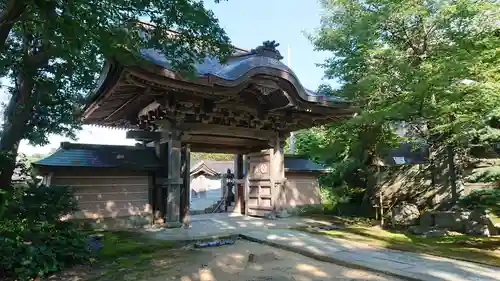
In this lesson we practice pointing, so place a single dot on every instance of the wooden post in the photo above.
(239, 205)
(277, 171)
(160, 188)
(174, 181)
(151, 195)
(186, 189)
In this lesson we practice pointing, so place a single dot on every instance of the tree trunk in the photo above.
(9, 16)
(16, 116)
(452, 173)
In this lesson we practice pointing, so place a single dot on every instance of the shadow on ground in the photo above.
(242, 261)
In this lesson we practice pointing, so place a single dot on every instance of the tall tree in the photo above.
(433, 64)
(52, 52)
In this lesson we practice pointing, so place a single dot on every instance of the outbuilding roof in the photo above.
(101, 156)
(144, 158)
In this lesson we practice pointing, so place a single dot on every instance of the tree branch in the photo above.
(13, 11)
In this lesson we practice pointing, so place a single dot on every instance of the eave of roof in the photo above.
(144, 158)
(101, 156)
(243, 63)
(202, 167)
(301, 163)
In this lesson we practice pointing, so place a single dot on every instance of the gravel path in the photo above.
(248, 261)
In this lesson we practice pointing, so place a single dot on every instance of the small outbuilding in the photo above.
(112, 181)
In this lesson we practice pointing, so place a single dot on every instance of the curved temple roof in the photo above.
(241, 103)
(242, 63)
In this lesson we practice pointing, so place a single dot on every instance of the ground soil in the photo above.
(243, 261)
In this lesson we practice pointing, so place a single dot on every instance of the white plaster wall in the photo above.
(213, 192)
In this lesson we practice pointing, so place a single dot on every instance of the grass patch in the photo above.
(470, 248)
(495, 218)
(129, 255)
(122, 243)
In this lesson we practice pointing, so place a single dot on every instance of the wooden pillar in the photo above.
(152, 194)
(174, 181)
(277, 172)
(186, 189)
(160, 188)
(239, 206)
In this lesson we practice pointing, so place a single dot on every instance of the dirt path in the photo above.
(243, 261)
(247, 261)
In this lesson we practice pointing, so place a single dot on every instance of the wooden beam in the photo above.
(229, 131)
(144, 135)
(208, 139)
(200, 147)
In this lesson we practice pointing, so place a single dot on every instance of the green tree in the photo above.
(52, 52)
(434, 65)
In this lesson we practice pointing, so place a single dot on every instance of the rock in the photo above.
(331, 227)
(405, 214)
(480, 223)
(251, 258)
(427, 219)
(478, 215)
(428, 231)
(454, 221)
(477, 228)
(418, 229)
(327, 227)
(263, 258)
(437, 232)
(283, 214)
(270, 216)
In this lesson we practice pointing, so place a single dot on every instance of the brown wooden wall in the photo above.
(300, 189)
(106, 192)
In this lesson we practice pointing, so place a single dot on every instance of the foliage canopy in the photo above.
(431, 67)
(53, 51)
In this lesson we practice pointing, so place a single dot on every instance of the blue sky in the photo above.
(248, 24)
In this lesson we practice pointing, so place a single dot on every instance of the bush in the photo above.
(488, 174)
(487, 199)
(340, 201)
(33, 240)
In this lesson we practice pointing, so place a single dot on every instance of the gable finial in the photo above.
(268, 49)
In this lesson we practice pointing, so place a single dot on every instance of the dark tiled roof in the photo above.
(406, 154)
(101, 156)
(219, 167)
(240, 64)
(292, 164)
(202, 167)
(144, 158)
(302, 164)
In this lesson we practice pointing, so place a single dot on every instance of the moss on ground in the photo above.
(128, 255)
(470, 248)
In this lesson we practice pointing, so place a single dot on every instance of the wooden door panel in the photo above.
(260, 192)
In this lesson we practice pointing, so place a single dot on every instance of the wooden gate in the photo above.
(260, 185)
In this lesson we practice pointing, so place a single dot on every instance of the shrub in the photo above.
(339, 201)
(488, 174)
(33, 240)
(487, 199)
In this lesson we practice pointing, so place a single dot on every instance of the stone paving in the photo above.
(411, 266)
(408, 265)
(223, 224)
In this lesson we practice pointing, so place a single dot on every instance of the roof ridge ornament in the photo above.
(268, 49)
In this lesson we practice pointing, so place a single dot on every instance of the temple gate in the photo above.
(247, 106)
